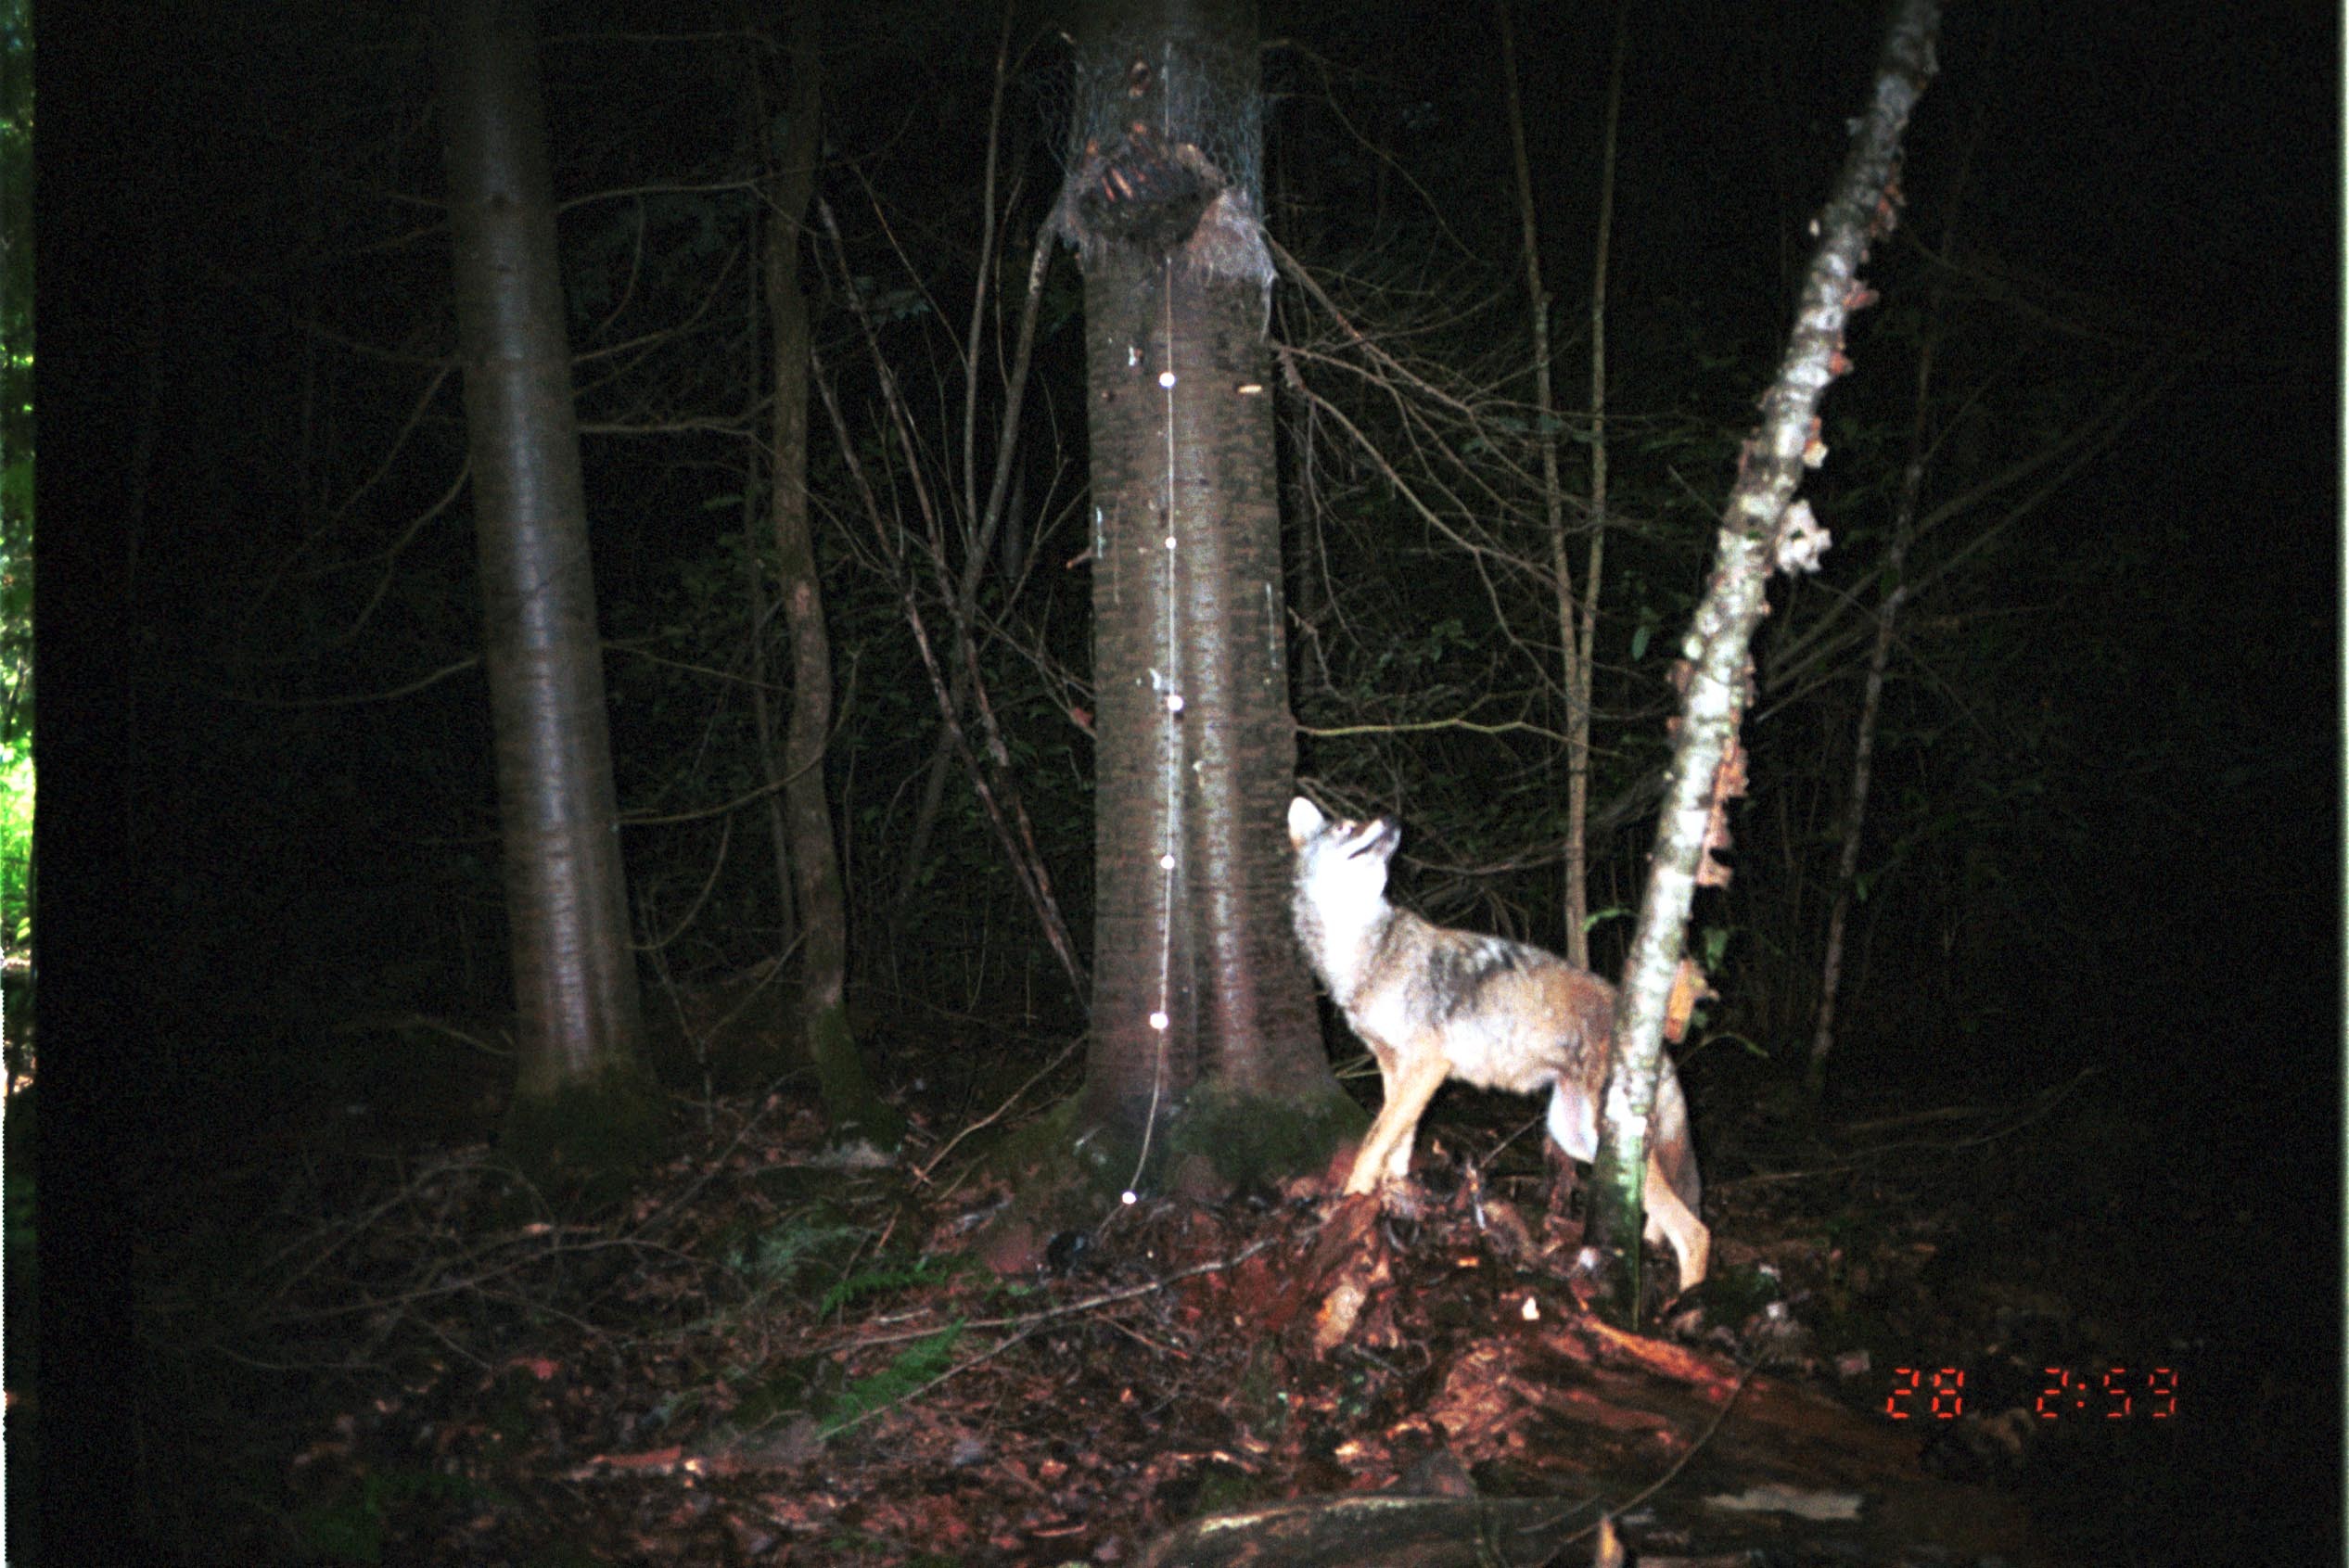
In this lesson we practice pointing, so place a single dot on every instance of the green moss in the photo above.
(1224, 1487)
(854, 1111)
(587, 1144)
(1066, 1165)
(1032, 1143)
(1261, 1397)
(1254, 1140)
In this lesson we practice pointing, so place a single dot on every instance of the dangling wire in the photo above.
(1169, 687)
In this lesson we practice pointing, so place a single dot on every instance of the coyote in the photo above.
(1434, 1004)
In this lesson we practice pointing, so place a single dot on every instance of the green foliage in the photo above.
(1597, 918)
(353, 1529)
(1408, 658)
(776, 1256)
(881, 1279)
(916, 1366)
(16, 475)
(16, 843)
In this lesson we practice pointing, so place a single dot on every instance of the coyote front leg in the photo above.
(1385, 1153)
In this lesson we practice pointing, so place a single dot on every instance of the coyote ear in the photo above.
(1305, 821)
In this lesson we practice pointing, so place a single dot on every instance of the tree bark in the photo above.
(1200, 1002)
(850, 1103)
(574, 973)
(1586, 655)
(1572, 678)
(1896, 595)
(1863, 756)
(1760, 532)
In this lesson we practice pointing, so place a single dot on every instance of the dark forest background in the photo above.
(2105, 826)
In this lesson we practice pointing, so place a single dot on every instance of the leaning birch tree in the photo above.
(1763, 529)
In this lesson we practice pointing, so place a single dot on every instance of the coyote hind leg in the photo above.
(1672, 1222)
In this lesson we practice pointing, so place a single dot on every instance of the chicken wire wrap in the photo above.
(1165, 150)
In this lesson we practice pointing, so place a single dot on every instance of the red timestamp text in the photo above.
(2116, 1394)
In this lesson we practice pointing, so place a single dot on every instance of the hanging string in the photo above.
(1168, 687)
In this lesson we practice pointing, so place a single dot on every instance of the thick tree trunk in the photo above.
(574, 973)
(1200, 1002)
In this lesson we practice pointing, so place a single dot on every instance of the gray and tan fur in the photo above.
(1434, 1003)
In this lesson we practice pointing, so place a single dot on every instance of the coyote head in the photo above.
(1341, 865)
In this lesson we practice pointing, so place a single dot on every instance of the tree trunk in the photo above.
(1200, 1004)
(762, 721)
(849, 1101)
(1587, 654)
(1912, 484)
(574, 973)
(1571, 679)
(1863, 754)
(1759, 532)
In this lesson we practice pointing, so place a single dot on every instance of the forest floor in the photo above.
(781, 1356)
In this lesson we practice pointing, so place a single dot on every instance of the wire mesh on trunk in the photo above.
(1166, 152)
